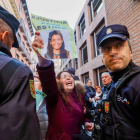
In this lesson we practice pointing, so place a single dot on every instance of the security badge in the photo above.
(32, 88)
(106, 105)
(104, 96)
(108, 31)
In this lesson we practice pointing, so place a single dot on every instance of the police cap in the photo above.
(116, 30)
(12, 22)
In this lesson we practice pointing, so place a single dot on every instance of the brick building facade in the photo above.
(95, 15)
(25, 52)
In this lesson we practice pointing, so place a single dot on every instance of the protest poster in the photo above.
(58, 38)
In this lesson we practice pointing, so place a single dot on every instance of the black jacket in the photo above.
(18, 119)
(88, 89)
(125, 108)
(88, 104)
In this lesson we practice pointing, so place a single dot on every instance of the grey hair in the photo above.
(107, 73)
(88, 80)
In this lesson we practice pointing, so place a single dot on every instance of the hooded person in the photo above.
(72, 71)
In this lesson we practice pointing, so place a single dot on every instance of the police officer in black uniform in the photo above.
(121, 108)
(18, 120)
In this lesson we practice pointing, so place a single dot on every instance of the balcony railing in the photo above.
(25, 36)
(28, 58)
(28, 41)
(21, 47)
(30, 48)
(22, 26)
(24, 52)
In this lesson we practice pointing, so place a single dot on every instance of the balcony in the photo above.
(28, 58)
(22, 26)
(21, 47)
(25, 36)
(24, 52)
(25, 7)
(30, 48)
(28, 41)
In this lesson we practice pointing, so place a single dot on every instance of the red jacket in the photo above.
(64, 121)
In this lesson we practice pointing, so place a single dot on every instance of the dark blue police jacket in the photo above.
(125, 108)
(18, 119)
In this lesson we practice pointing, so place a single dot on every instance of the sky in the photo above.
(57, 9)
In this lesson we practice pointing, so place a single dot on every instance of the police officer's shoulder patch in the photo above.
(106, 105)
(32, 88)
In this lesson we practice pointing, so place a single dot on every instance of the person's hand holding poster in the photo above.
(57, 36)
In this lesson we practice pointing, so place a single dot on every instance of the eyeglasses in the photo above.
(66, 76)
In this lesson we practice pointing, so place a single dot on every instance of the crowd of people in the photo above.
(62, 107)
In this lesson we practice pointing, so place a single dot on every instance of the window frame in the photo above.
(95, 43)
(94, 9)
(76, 63)
(70, 64)
(82, 32)
(75, 39)
(84, 62)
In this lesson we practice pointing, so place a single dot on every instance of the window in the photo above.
(26, 51)
(95, 7)
(85, 77)
(76, 63)
(82, 27)
(70, 64)
(17, 57)
(99, 72)
(75, 38)
(84, 55)
(55, 70)
(18, 37)
(96, 51)
(66, 67)
(23, 45)
(91, 11)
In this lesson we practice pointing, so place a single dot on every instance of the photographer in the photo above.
(121, 107)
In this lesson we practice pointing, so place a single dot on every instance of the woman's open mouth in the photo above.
(69, 83)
